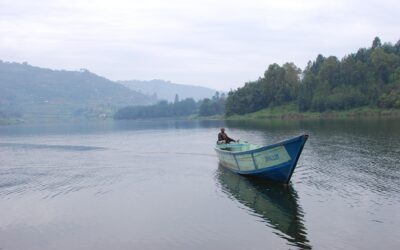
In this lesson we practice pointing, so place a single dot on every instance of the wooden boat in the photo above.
(274, 162)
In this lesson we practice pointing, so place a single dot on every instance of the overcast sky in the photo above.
(219, 44)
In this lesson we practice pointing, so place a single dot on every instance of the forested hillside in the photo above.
(34, 92)
(369, 77)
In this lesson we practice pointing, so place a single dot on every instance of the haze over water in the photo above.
(158, 185)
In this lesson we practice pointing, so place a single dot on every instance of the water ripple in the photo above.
(50, 146)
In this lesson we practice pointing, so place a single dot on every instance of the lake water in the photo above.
(158, 185)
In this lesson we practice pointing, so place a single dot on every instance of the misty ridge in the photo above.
(34, 93)
(166, 90)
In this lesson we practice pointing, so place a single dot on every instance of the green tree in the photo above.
(376, 43)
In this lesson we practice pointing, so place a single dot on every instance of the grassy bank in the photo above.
(290, 111)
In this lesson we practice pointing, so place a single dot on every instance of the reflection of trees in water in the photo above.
(166, 123)
(354, 126)
(275, 204)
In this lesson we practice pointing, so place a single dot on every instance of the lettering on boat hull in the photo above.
(272, 157)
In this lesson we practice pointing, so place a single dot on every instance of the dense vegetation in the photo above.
(370, 77)
(162, 109)
(186, 107)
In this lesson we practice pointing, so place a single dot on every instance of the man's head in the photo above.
(222, 130)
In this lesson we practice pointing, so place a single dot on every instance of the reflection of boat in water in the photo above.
(274, 162)
(275, 204)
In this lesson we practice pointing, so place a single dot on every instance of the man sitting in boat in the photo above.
(223, 137)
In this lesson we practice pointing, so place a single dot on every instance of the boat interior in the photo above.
(237, 146)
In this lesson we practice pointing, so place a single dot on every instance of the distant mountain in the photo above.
(165, 90)
(32, 92)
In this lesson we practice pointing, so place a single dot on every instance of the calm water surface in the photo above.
(158, 185)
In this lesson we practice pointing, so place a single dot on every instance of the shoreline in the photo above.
(289, 112)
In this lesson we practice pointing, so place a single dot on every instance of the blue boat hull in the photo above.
(274, 162)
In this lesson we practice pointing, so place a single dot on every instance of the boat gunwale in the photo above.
(263, 148)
